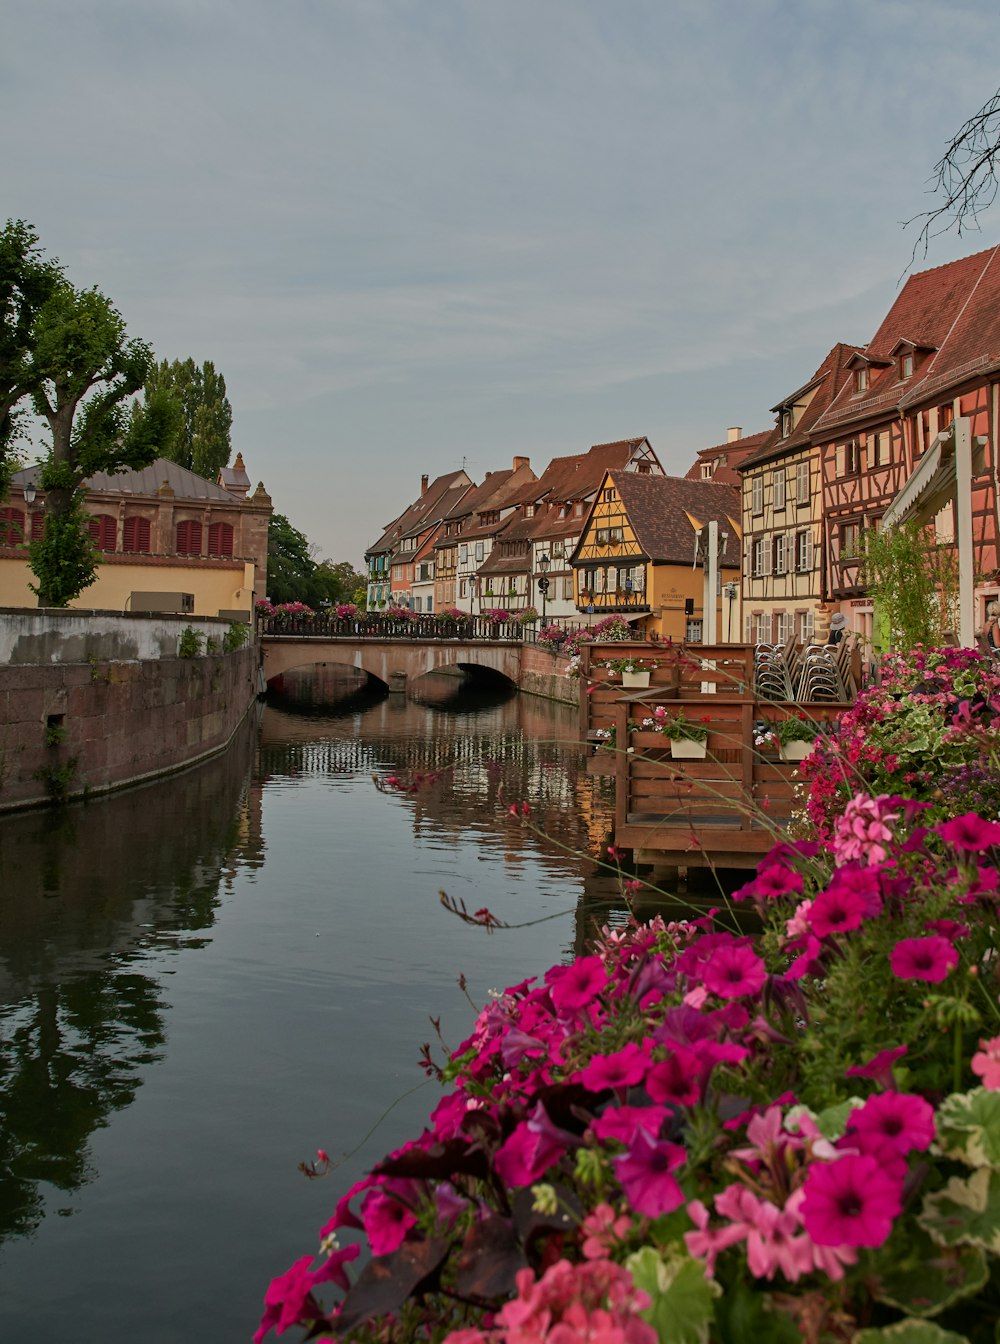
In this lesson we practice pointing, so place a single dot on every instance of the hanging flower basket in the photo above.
(636, 680)
(684, 749)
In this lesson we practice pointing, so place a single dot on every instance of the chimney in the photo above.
(423, 486)
(521, 462)
(734, 433)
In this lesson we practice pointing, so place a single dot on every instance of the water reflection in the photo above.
(79, 1020)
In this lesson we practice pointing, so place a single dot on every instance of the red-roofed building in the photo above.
(396, 548)
(935, 358)
(720, 463)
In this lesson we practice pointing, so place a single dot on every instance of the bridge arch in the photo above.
(387, 660)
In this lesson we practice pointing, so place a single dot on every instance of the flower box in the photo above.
(635, 680)
(796, 751)
(683, 749)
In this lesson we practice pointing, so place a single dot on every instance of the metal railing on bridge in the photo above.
(375, 626)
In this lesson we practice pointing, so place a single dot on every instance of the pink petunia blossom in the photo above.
(734, 971)
(892, 1124)
(623, 1068)
(621, 1122)
(808, 963)
(879, 1067)
(932, 958)
(645, 1175)
(678, 1078)
(986, 1063)
(850, 1202)
(573, 987)
(799, 922)
(387, 1221)
(532, 1148)
(970, 833)
(838, 909)
(707, 1242)
(863, 830)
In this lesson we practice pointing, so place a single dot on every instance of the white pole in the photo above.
(963, 529)
(711, 559)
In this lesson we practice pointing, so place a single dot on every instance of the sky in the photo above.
(420, 234)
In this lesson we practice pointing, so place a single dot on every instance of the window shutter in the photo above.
(765, 565)
(841, 466)
(37, 525)
(808, 550)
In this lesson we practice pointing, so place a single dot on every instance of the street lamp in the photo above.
(29, 492)
(543, 582)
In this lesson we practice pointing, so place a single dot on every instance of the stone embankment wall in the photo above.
(106, 701)
(544, 673)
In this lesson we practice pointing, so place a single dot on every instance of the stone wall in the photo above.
(544, 673)
(38, 635)
(72, 728)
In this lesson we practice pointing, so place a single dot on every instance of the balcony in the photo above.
(622, 600)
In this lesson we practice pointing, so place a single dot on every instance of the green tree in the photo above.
(291, 570)
(27, 280)
(81, 373)
(913, 584)
(201, 441)
(340, 581)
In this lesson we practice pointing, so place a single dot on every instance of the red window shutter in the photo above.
(135, 536)
(11, 527)
(189, 537)
(220, 539)
(94, 528)
(104, 531)
(37, 526)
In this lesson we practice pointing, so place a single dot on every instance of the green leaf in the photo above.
(922, 1278)
(968, 1128)
(909, 1332)
(966, 1212)
(743, 1317)
(682, 1298)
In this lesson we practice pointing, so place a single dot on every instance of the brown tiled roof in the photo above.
(956, 310)
(495, 563)
(832, 375)
(660, 509)
(578, 475)
(734, 451)
(421, 513)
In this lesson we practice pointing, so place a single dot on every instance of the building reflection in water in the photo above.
(97, 884)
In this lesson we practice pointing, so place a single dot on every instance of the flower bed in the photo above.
(693, 1134)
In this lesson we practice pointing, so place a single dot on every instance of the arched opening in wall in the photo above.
(462, 688)
(325, 689)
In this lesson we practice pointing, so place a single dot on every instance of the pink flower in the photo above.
(862, 831)
(603, 1230)
(986, 1063)
(707, 1242)
(838, 909)
(676, 1079)
(287, 1300)
(733, 971)
(573, 987)
(387, 1221)
(931, 958)
(970, 832)
(798, 925)
(532, 1148)
(645, 1175)
(624, 1068)
(850, 1202)
(621, 1122)
(892, 1124)
(879, 1067)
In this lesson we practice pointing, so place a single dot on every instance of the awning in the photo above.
(932, 485)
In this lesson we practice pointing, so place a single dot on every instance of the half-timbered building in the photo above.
(636, 554)
(935, 357)
(782, 521)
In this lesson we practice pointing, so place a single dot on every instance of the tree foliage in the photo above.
(293, 575)
(200, 438)
(27, 280)
(913, 584)
(63, 559)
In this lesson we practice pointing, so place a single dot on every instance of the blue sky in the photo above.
(412, 233)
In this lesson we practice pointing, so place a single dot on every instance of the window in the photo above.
(135, 536)
(861, 379)
(529, 511)
(906, 366)
(706, 471)
(103, 531)
(11, 527)
(786, 423)
(577, 510)
(807, 626)
(462, 588)
(479, 551)
(762, 627)
(757, 494)
(780, 554)
(557, 550)
(567, 590)
(617, 535)
(463, 552)
(784, 632)
(880, 448)
(779, 488)
(429, 604)
(849, 458)
(692, 630)
(610, 493)
(804, 552)
(603, 536)
(802, 483)
(761, 557)
(220, 539)
(189, 537)
(850, 540)
(946, 414)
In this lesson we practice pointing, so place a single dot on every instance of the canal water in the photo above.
(205, 980)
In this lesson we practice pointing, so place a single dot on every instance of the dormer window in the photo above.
(786, 422)
(861, 379)
(906, 366)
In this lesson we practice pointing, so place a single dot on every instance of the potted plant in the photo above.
(688, 737)
(796, 736)
(634, 672)
(528, 616)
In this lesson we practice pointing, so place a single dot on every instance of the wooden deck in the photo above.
(726, 810)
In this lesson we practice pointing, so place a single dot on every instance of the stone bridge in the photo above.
(398, 662)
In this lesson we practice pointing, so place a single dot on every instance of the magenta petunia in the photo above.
(677, 1078)
(531, 1149)
(850, 1202)
(931, 958)
(879, 1067)
(838, 909)
(645, 1173)
(577, 985)
(624, 1068)
(622, 1122)
(970, 833)
(771, 884)
(733, 971)
(387, 1221)
(892, 1124)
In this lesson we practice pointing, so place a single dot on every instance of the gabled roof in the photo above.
(436, 511)
(664, 512)
(497, 491)
(831, 376)
(956, 311)
(421, 513)
(727, 457)
(577, 475)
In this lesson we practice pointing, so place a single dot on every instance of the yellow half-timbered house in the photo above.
(636, 554)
